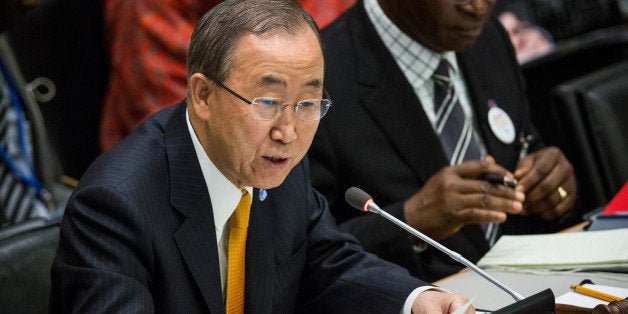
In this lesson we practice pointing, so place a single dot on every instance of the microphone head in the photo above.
(358, 198)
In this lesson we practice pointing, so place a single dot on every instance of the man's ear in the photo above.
(200, 90)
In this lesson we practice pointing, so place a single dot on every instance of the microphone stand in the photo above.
(542, 302)
(456, 256)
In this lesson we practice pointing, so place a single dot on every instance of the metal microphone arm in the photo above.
(542, 302)
(372, 207)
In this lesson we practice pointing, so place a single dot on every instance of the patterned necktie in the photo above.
(239, 223)
(18, 199)
(454, 128)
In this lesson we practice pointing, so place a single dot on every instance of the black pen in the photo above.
(497, 179)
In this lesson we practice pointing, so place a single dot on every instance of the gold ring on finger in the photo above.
(562, 193)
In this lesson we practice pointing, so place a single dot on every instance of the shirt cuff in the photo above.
(407, 306)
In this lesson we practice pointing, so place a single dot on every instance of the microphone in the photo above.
(364, 202)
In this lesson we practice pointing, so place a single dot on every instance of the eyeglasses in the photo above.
(266, 108)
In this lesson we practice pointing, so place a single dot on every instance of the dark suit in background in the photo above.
(138, 236)
(378, 138)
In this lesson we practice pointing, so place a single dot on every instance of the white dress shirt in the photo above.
(224, 197)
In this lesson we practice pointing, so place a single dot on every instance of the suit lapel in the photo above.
(259, 257)
(196, 237)
(405, 131)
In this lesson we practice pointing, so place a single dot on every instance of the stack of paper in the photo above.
(591, 250)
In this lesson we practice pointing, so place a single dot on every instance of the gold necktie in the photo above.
(239, 223)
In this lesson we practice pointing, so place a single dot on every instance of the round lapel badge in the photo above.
(500, 123)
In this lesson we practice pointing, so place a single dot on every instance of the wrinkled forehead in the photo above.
(291, 54)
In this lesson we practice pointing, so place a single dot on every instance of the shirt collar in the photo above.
(224, 195)
(411, 56)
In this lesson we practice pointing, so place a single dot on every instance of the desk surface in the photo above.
(490, 297)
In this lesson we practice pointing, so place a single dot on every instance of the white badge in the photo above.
(500, 123)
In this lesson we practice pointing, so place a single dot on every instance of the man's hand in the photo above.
(547, 179)
(439, 302)
(455, 196)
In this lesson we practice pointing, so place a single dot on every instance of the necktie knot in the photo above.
(240, 217)
(441, 74)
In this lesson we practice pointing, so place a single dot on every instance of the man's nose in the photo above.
(477, 7)
(284, 128)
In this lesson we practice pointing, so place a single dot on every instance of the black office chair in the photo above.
(570, 60)
(592, 114)
(27, 250)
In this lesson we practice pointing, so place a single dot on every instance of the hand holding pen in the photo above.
(547, 179)
(499, 179)
(459, 195)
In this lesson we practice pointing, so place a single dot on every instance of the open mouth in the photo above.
(276, 160)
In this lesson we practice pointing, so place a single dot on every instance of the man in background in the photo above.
(207, 206)
(429, 100)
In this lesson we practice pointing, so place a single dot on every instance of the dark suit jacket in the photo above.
(138, 236)
(377, 136)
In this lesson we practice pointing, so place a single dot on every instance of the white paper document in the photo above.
(589, 250)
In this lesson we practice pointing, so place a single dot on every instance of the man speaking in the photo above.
(207, 206)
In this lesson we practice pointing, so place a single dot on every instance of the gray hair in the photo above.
(218, 31)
